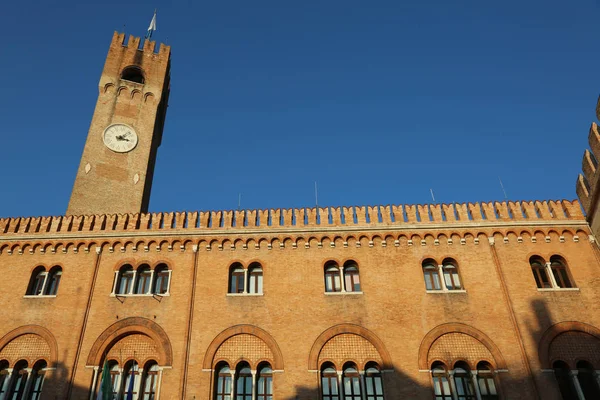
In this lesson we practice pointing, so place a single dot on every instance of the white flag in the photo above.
(152, 26)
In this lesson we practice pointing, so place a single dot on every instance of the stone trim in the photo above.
(452, 327)
(552, 332)
(243, 329)
(127, 326)
(313, 358)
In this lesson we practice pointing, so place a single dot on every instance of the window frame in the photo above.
(222, 379)
(143, 280)
(540, 273)
(329, 374)
(441, 380)
(264, 382)
(352, 273)
(431, 270)
(560, 271)
(351, 380)
(450, 269)
(332, 275)
(237, 280)
(244, 380)
(372, 376)
(256, 279)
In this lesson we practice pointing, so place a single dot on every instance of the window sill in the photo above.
(341, 293)
(446, 291)
(38, 296)
(140, 295)
(571, 289)
(244, 294)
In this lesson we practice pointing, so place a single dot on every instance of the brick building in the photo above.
(452, 302)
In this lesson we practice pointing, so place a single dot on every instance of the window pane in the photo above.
(369, 382)
(336, 282)
(428, 283)
(482, 386)
(252, 285)
(325, 385)
(565, 278)
(436, 281)
(448, 279)
(379, 385)
(456, 279)
(260, 283)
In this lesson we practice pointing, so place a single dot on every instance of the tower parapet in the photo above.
(588, 182)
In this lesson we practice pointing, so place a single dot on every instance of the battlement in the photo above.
(133, 43)
(400, 216)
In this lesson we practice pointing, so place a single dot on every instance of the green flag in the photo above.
(105, 392)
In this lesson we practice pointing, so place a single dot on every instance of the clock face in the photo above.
(120, 138)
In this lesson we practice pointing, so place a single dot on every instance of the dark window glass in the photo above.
(486, 382)
(351, 384)
(125, 280)
(143, 277)
(432, 277)
(464, 384)
(559, 270)
(332, 279)
(329, 384)
(236, 282)
(149, 381)
(539, 273)
(131, 373)
(243, 384)
(4, 377)
(587, 380)
(265, 383)
(255, 280)
(36, 283)
(373, 384)
(451, 278)
(161, 279)
(53, 281)
(37, 376)
(441, 385)
(223, 383)
(19, 379)
(565, 382)
(351, 278)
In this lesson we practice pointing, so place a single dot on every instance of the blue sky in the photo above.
(378, 101)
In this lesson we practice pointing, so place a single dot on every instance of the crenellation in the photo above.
(149, 46)
(588, 166)
(489, 210)
(423, 212)
(133, 42)
(475, 212)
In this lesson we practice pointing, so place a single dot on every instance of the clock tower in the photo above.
(117, 165)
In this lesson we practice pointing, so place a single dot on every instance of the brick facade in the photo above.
(499, 316)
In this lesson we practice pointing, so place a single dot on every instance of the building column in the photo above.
(363, 386)
(151, 282)
(442, 281)
(27, 383)
(94, 380)
(340, 384)
(476, 385)
(575, 380)
(159, 383)
(452, 385)
(342, 282)
(246, 283)
(6, 385)
(551, 275)
(232, 372)
(132, 288)
(115, 282)
(46, 274)
(253, 372)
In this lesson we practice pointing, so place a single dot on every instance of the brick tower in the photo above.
(117, 165)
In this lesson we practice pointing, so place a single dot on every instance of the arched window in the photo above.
(351, 278)
(441, 385)
(243, 382)
(143, 278)
(37, 376)
(265, 382)
(19, 379)
(329, 383)
(559, 270)
(236, 279)
(565, 382)
(463, 382)
(223, 383)
(4, 378)
(538, 268)
(255, 279)
(131, 379)
(373, 382)
(431, 275)
(36, 283)
(149, 380)
(587, 380)
(451, 278)
(486, 382)
(161, 279)
(53, 280)
(133, 74)
(332, 278)
(351, 383)
(115, 377)
(125, 280)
